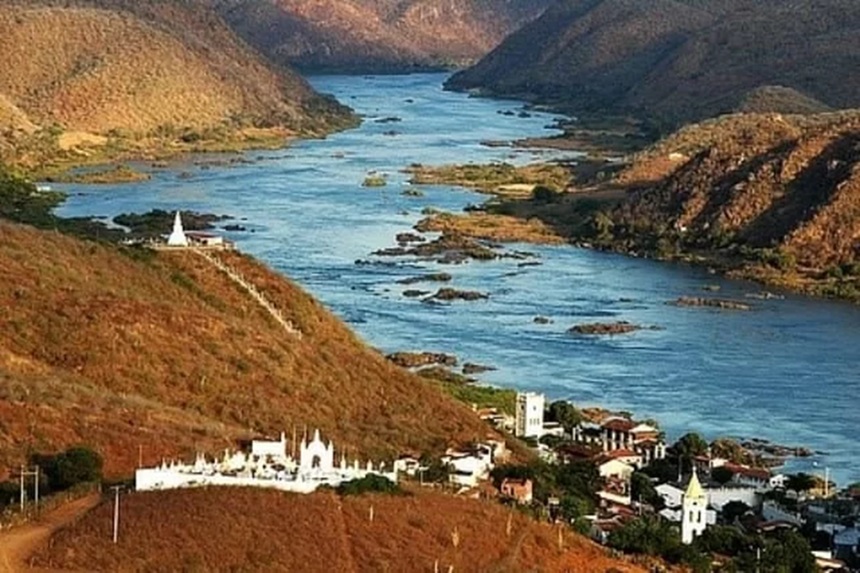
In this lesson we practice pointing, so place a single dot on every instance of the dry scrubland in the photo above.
(374, 35)
(171, 73)
(266, 530)
(675, 61)
(165, 352)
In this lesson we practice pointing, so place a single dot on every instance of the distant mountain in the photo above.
(133, 70)
(356, 36)
(678, 60)
(136, 352)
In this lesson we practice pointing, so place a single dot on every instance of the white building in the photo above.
(267, 465)
(177, 238)
(529, 415)
(469, 468)
(694, 506)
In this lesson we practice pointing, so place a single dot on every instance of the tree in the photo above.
(689, 446)
(733, 510)
(800, 482)
(574, 507)
(566, 414)
(579, 478)
(662, 470)
(544, 194)
(642, 489)
(369, 483)
(722, 475)
(76, 465)
(436, 471)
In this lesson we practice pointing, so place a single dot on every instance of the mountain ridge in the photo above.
(370, 36)
(674, 61)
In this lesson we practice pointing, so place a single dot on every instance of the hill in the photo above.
(361, 36)
(771, 197)
(162, 354)
(675, 61)
(155, 74)
(266, 530)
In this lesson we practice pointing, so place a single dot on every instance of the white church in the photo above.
(267, 465)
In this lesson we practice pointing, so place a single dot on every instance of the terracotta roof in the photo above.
(618, 424)
(756, 473)
(616, 454)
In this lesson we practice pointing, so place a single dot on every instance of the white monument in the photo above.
(267, 465)
(177, 238)
(529, 415)
(694, 507)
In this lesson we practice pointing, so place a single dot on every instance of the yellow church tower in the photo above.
(694, 507)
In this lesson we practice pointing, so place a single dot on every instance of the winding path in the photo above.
(20, 543)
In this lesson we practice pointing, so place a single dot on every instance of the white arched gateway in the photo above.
(316, 456)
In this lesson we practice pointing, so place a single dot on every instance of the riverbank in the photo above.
(643, 206)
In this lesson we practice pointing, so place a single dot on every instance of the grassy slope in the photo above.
(139, 69)
(266, 530)
(149, 349)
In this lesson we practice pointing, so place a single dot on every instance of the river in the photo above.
(788, 371)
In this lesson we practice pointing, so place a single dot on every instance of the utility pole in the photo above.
(25, 473)
(116, 489)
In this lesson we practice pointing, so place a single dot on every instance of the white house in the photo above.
(270, 467)
(528, 422)
(616, 469)
(469, 468)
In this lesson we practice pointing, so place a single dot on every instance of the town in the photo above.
(613, 479)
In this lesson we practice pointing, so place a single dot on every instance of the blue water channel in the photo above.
(786, 371)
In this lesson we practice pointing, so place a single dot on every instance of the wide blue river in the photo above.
(788, 371)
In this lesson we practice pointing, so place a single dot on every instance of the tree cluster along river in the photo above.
(786, 371)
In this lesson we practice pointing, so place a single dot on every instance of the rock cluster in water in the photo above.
(724, 304)
(419, 359)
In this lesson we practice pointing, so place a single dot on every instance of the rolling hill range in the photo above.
(132, 71)
(162, 351)
(270, 531)
(675, 61)
(358, 36)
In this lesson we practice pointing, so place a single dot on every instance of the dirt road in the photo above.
(18, 544)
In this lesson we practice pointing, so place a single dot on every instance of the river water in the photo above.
(787, 371)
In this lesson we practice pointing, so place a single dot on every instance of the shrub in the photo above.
(75, 465)
(371, 483)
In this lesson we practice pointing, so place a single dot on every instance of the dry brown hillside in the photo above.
(231, 529)
(377, 35)
(775, 197)
(163, 351)
(145, 69)
(675, 61)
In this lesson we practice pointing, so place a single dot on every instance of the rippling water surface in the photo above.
(787, 371)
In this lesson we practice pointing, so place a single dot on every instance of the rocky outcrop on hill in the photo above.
(679, 60)
(357, 36)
